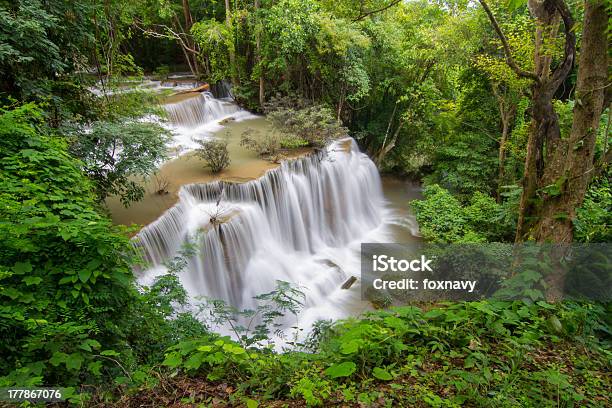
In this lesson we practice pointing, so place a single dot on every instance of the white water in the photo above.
(198, 117)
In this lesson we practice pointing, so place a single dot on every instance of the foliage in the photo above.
(443, 218)
(466, 164)
(214, 153)
(315, 125)
(477, 354)
(70, 311)
(254, 326)
(65, 273)
(420, 84)
(593, 222)
(40, 41)
(216, 41)
(113, 153)
(265, 145)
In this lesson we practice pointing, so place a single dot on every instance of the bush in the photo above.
(313, 125)
(114, 152)
(463, 354)
(265, 145)
(65, 273)
(214, 153)
(443, 218)
(467, 163)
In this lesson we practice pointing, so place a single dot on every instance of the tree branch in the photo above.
(509, 60)
(363, 14)
(563, 70)
(172, 35)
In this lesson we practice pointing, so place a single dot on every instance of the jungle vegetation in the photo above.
(500, 108)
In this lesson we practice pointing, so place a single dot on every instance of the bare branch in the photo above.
(170, 34)
(365, 14)
(509, 60)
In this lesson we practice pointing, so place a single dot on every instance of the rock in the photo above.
(227, 120)
(349, 282)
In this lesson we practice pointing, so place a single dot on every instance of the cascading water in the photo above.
(199, 110)
(198, 116)
(302, 222)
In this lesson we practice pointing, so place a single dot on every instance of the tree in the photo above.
(507, 87)
(214, 153)
(39, 42)
(232, 55)
(115, 153)
(544, 143)
(573, 161)
(163, 21)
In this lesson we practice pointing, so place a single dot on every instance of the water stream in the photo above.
(302, 222)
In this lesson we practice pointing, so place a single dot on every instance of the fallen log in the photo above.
(349, 283)
(201, 88)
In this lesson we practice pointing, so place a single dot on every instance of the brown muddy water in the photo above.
(189, 168)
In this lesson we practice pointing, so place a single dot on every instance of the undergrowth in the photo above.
(486, 354)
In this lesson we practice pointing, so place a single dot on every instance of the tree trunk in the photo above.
(232, 54)
(507, 109)
(501, 173)
(544, 128)
(545, 148)
(193, 58)
(262, 96)
(576, 161)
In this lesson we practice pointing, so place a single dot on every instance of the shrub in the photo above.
(467, 163)
(70, 311)
(443, 218)
(265, 145)
(312, 125)
(214, 153)
(114, 152)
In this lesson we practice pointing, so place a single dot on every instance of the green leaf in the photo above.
(74, 361)
(545, 305)
(84, 275)
(21, 268)
(94, 264)
(32, 280)
(515, 4)
(94, 367)
(109, 353)
(66, 279)
(57, 358)
(349, 347)
(382, 374)
(173, 359)
(89, 344)
(195, 361)
(341, 370)
(250, 403)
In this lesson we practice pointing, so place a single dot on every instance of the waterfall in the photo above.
(198, 117)
(302, 222)
(199, 110)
